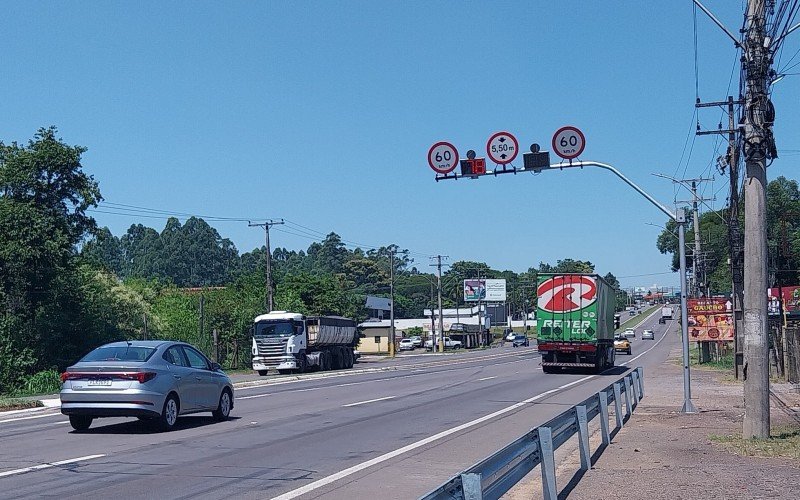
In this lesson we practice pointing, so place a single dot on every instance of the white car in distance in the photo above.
(629, 333)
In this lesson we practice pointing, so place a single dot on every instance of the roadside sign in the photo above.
(568, 142)
(443, 157)
(502, 148)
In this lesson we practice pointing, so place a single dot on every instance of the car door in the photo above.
(182, 377)
(206, 390)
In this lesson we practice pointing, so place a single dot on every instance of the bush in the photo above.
(46, 382)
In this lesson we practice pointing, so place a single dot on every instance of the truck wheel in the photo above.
(327, 360)
(263, 373)
(348, 354)
(336, 359)
(548, 369)
(302, 364)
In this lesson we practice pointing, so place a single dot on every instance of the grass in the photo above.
(8, 404)
(634, 321)
(784, 441)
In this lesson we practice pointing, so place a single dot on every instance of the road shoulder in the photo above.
(661, 453)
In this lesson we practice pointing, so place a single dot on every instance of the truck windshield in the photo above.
(281, 328)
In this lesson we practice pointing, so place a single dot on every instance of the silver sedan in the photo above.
(153, 380)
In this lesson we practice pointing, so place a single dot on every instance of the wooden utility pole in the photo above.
(268, 301)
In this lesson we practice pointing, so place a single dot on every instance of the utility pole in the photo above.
(441, 318)
(391, 304)
(758, 144)
(268, 302)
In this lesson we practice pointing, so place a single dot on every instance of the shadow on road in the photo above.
(149, 426)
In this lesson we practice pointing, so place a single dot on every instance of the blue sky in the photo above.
(322, 113)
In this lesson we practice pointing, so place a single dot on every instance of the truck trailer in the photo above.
(291, 342)
(575, 314)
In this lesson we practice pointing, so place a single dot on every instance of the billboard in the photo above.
(710, 320)
(488, 290)
(790, 298)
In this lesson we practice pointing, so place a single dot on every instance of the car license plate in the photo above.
(101, 382)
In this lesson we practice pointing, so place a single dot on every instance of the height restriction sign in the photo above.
(568, 142)
(443, 157)
(502, 148)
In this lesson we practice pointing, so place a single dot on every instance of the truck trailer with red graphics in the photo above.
(575, 322)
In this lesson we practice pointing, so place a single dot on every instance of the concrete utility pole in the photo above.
(268, 302)
(441, 318)
(391, 303)
(757, 138)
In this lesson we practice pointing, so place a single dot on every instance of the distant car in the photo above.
(407, 345)
(632, 312)
(154, 380)
(622, 344)
(521, 340)
(629, 333)
(417, 340)
(648, 335)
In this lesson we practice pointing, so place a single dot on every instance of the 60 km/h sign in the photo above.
(443, 157)
(502, 148)
(568, 142)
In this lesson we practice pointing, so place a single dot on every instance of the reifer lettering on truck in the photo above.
(575, 327)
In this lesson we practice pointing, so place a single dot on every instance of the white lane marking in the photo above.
(369, 401)
(256, 396)
(485, 378)
(31, 417)
(388, 456)
(48, 465)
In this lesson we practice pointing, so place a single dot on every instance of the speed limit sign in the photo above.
(443, 157)
(568, 142)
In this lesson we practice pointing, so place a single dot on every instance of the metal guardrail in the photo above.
(492, 477)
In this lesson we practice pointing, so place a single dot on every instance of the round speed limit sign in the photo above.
(568, 142)
(443, 157)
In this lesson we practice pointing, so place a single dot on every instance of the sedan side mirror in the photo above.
(215, 367)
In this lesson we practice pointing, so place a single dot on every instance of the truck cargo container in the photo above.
(291, 342)
(576, 322)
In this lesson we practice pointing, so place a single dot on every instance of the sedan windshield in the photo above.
(120, 353)
(274, 329)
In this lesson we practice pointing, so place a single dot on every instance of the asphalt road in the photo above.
(395, 434)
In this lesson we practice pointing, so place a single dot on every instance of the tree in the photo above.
(44, 198)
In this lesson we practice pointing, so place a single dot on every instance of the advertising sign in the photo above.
(790, 299)
(487, 290)
(567, 307)
(710, 320)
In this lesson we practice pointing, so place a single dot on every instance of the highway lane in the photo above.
(289, 435)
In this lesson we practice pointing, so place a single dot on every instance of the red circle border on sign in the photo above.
(575, 129)
(455, 162)
(489, 143)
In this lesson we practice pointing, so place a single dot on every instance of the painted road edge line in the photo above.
(368, 401)
(16, 419)
(388, 456)
(48, 465)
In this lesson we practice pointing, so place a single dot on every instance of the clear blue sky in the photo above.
(323, 112)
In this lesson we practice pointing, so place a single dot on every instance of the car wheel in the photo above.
(169, 414)
(80, 422)
(629, 352)
(223, 410)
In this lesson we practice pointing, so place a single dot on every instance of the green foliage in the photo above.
(44, 382)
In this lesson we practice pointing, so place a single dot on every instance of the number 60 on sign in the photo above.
(443, 157)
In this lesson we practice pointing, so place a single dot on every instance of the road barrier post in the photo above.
(472, 486)
(583, 437)
(618, 405)
(549, 490)
(603, 397)
(640, 370)
(628, 406)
